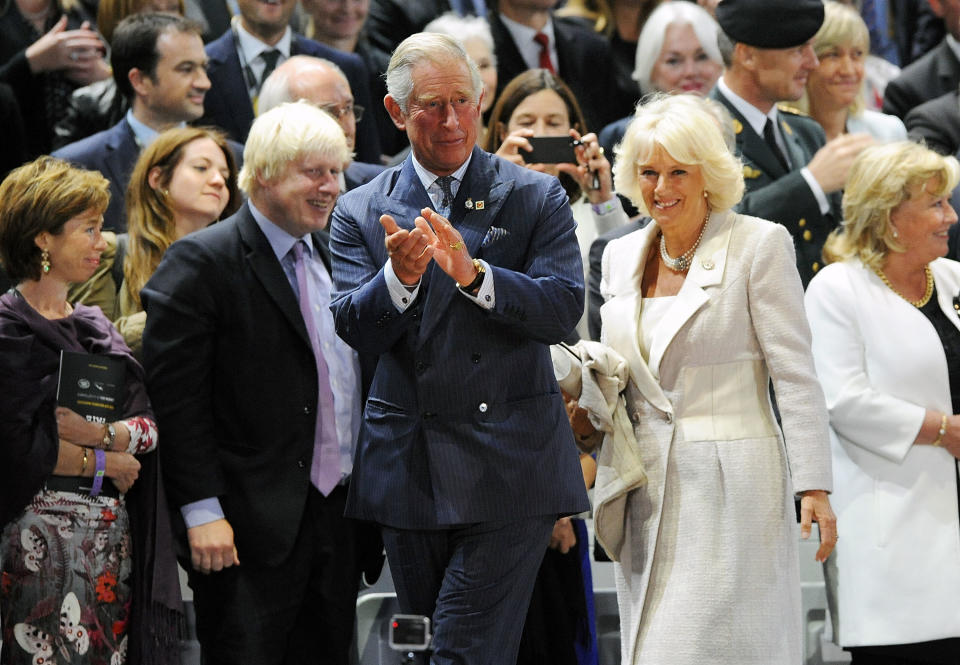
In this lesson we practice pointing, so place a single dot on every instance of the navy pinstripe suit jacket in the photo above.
(464, 421)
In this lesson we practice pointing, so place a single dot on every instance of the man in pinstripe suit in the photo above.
(465, 457)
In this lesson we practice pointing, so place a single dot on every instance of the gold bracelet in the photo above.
(942, 431)
(83, 467)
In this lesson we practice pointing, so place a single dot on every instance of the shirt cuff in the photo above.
(608, 215)
(485, 297)
(402, 296)
(202, 512)
(817, 190)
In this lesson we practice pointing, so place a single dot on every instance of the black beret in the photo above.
(770, 23)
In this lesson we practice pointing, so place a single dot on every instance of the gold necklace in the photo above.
(916, 303)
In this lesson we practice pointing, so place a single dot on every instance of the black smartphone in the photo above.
(550, 150)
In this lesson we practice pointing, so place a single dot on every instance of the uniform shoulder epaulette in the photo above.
(785, 108)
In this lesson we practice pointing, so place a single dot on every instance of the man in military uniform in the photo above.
(793, 174)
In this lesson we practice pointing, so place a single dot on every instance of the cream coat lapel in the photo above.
(621, 317)
(707, 270)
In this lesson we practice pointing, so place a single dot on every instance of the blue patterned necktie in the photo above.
(444, 183)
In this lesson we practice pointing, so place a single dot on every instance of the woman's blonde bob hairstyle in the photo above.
(687, 128)
(283, 135)
(842, 27)
(881, 178)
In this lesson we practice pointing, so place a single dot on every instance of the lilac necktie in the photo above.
(325, 468)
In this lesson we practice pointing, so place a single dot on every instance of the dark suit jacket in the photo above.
(594, 297)
(784, 196)
(937, 123)
(464, 421)
(227, 104)
(612, 134)
(934, 74)
(389, 22)
(585, 64)
(359, 173)
(114, 153)
(219, 308)
(213, 15)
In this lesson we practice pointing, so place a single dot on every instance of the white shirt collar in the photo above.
(523, 38)
(754, 116)
(428, 178)
(143, 134)
(252, 47)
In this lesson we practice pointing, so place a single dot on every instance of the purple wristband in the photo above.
(98, 475)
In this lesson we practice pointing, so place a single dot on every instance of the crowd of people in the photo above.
(405, 280)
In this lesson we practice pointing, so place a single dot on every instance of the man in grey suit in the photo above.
(465, 456)
(935, 73)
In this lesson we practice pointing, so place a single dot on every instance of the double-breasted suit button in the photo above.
(669, 417)
(306, 410)
(475, 358)
(483, 407)
(301, 464)
(807, 235)
(421, 367)
(816, 266)
(802, 223)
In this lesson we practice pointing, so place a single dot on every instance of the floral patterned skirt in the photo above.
(64, 590)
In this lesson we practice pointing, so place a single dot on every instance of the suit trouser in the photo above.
(474, 581)
(300, 611)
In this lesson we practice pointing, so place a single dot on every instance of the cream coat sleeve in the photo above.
(775, 296)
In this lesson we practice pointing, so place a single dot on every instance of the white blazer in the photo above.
(895, 574)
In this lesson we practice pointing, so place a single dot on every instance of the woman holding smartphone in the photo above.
(538, 104)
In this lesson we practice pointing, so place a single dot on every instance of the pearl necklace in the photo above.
(682, 262)
(916, 303)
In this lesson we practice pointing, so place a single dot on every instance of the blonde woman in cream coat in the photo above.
(878, 329)
(707, 549)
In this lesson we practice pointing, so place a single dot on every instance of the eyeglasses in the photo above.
(339, 112)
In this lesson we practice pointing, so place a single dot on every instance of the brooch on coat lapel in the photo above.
(750, 172)
(469, 204)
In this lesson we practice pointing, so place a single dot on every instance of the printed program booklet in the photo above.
(91, 385)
